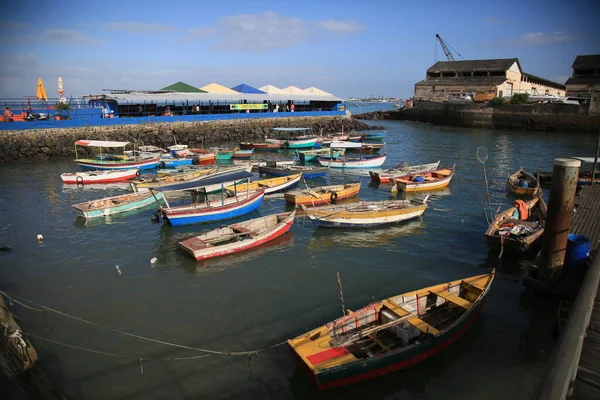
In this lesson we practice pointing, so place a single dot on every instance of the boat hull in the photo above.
(364, 369)
(330, 196)
(307, 173)
(88, 178)
(388, 175)
(120, 165)
(242, 154)
(366, 162)
(269, 185)
(174, 162)
(363, 220)
(219, 251)
(145, 200)
(260, 146)
(187, 215)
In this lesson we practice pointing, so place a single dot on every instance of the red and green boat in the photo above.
(391, 334)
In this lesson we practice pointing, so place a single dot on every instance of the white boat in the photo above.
(402, 169)
(95, 177)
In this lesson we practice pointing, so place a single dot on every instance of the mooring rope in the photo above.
(214, 352)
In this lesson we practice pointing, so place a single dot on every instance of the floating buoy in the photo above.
(40, 237)
(153, 260)
(118, 270)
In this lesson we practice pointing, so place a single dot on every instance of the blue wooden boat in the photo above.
(208, 184)
(171, 162)
(209, 211)
(117, 204)
(110, 161)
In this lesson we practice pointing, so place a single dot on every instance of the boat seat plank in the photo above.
(395, 308)
(422, 325)
(240, 229)
(454, 299)
(196, 244)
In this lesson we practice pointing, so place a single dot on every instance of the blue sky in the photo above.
(348, 48)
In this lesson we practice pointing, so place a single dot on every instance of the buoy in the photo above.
(153, 260)
(40, 237)
(118, 270)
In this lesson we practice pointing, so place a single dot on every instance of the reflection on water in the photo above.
(364, 237)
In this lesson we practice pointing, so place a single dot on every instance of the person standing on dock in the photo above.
(104, 112)
(8, 115)
(292, 106)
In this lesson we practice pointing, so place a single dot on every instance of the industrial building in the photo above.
(584, 83)
(458, 80)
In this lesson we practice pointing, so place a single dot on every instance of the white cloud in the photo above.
(543, 38)
(66, 36)
(137, 27)
(339, 27)
(261, 33)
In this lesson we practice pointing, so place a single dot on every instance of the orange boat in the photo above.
(322, 194)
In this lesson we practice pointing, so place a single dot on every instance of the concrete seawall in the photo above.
(542, 117)
(45, 143)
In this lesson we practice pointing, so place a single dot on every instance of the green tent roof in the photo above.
(183, 87)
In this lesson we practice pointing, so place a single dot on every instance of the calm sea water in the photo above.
(262, 297)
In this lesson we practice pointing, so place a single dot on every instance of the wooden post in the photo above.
(558, 219)
(596, 160)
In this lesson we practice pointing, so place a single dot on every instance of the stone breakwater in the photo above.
(46, 143)
(543, 117)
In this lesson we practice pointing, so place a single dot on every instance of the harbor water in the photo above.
(264, 296)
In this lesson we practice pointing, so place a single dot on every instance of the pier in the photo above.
(574, 371)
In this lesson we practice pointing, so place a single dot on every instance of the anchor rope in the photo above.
(140, 337)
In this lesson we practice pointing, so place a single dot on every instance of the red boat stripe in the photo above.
(327, 355)
(402, 364)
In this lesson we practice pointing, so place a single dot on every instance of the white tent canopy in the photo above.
(316, 91)
(295, 90)
(216, 88)
(270, 89)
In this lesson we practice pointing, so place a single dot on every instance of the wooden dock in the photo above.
(574, 370)
(586, 222)
(586, 219)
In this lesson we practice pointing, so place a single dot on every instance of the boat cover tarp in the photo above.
(211, 180)
(101, 143)
(216, 88)
(243, 88)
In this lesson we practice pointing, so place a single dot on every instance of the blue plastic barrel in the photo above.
(418, 179)
(523, 183)
(578, 248)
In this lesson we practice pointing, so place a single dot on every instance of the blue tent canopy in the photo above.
(243, 88)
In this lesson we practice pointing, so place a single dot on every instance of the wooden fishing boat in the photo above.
(207, 184)
(424, 181)
(388, 335)
(272, 185)
(400, 170)
(93, 177)
(522, 183)
(143, 185)
(105, 161)
(117, 204)
(308, 172)
(514, 232)
(368, 148)
(365, 213)
(312, 155)
(209, 211)
(198, 156)
(260, 146)
(223, 153)
(325, 141)
(352, 162)
(242, 154)
(271, 163)
(174, 162)
(294, 142)
(238, 237)
(322, 194)
(364, 137)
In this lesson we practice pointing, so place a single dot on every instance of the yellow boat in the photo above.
(391, 334)
(424, 181)
(522, 183)
(141, 184)
(322, 194)
(271, 185)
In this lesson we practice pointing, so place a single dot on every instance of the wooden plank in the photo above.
(454, 299)
(423, 326)
(395, 308)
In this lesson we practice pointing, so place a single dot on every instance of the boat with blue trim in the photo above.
(295, 142)
(117, 204)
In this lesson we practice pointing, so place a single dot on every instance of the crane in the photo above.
(447, 51)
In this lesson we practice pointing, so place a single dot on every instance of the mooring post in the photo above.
(558, 219)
